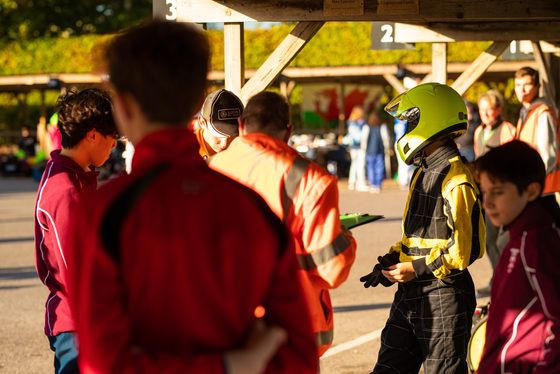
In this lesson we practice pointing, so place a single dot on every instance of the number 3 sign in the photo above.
(165, 9)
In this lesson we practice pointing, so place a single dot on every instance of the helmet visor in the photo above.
(410, 115)
(393, 106)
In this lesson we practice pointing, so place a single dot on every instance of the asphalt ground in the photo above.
(360, 313)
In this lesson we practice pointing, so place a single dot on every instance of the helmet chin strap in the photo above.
(417, 160)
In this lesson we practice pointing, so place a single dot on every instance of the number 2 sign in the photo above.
(383, 37)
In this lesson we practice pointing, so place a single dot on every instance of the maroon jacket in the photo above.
(523, 326)
(174, 282)
(62, 183)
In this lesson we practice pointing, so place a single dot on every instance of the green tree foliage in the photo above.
(31, 19)
(336, 44)
(49, 55)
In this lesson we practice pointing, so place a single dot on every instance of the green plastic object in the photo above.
(352, 220)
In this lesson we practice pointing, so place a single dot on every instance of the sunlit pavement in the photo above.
(360, 313)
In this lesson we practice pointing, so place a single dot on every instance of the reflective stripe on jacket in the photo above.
(527, 131)
(305, 197)
(501, 134)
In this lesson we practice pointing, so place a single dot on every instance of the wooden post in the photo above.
(547, 84)
(234, 57)
(554, 67)
(439, 62)
(341, 114)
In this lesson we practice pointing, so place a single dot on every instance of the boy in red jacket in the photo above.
(178, 257)
(88, 133)
(523, 326)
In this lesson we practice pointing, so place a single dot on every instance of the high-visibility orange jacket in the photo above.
(305, 196)
(534, 128)
(501, 134)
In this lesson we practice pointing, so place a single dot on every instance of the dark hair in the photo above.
(515, 162)
(266, 112)
(528, 71)
(375, 118)
(82, 111)
(163, 65)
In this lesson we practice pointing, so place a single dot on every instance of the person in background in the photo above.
(88, 134)
(301, 193)
(466, 142)
(493, 132)
(357, 143)
(443, 233)
(538, 127)
(181, 269)
(27, 142)
(54, 136)
(523, 325)
(404, 171)
(218, 122)
(376, 133)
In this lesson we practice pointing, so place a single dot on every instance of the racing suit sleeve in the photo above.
(466, 242)
(329, 252)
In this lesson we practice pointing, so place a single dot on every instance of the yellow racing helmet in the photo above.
(431, 111)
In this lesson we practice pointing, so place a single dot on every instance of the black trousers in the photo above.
(429, 323)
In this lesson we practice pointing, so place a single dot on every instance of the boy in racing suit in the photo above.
(443, 233)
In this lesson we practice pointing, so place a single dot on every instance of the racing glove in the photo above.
(376, 276)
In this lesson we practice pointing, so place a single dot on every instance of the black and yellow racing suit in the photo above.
(443, 233)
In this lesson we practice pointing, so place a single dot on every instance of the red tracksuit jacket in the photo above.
(61, 185)
(523, 326)
(197, 253)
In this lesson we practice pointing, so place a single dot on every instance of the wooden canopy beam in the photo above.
(460, 11)
(477, 31)
(280, 58)
(496, 72)
(479, 66)
(394, 82)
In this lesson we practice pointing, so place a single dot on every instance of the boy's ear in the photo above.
(91, 135)
(241, 127)
(202, 122)
(289, 130)
(534, 191)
